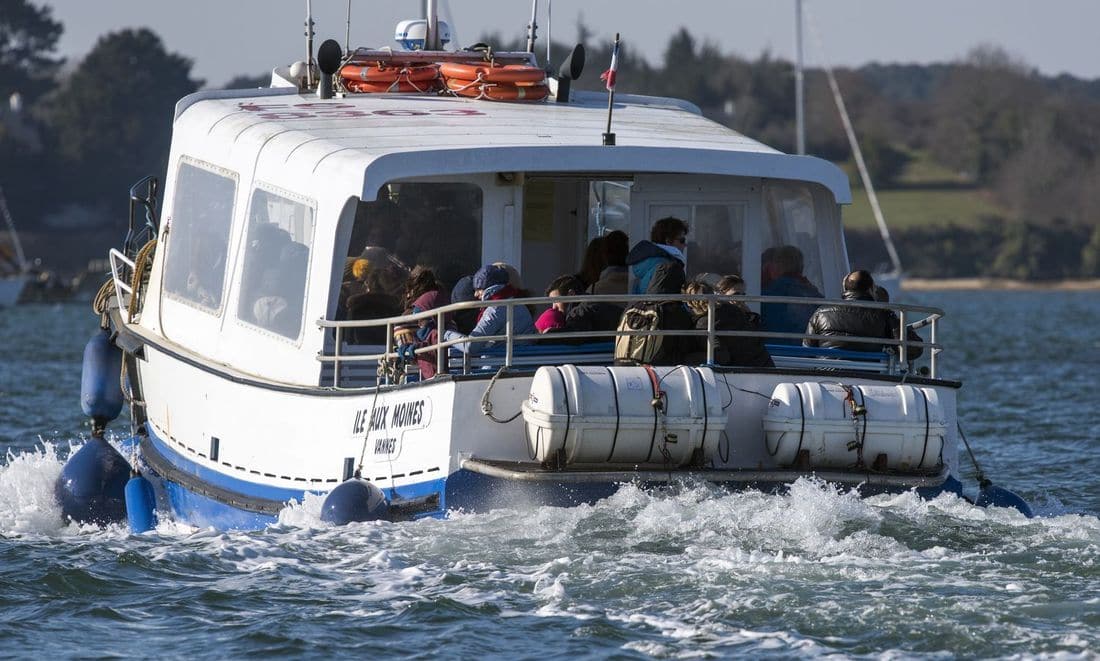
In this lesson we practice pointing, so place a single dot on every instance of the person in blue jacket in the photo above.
(491, 284)
(667, 242)
(781, 275)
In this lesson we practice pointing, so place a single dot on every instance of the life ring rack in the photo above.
(380, 78)
(495, 82)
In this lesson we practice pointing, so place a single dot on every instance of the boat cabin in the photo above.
(272, 196)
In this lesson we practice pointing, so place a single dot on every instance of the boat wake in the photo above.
(684, 569)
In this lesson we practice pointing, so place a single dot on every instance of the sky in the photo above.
(225, 38)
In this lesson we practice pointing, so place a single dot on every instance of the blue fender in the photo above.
(354, 500)
(100, 392)
(92, 484)
(141, 504)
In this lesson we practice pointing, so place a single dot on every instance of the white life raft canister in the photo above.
(900, 428)
(606, 415)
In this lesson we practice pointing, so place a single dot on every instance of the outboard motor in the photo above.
(91, 487)
(354, 499)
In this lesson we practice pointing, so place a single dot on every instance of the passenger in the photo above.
(667, 240)
(422, 280)
(593, 263)
(463, 291)
(615, 277)
(731, 316)
(882, 295)
(427, 332)
(842, 321)
(517, 283)
(554, 316)
(491, 284)
(373, 302)
(667, 278)
(781, 275)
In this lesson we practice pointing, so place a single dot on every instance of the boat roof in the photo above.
(367, 140)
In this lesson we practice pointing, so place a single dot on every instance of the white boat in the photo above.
(249, 387)
(14, 281)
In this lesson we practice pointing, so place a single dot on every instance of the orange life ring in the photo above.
(384, 74)
(476, 90)
(511, 74)
(395, 86)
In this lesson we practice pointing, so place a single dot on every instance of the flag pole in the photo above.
(608, 136)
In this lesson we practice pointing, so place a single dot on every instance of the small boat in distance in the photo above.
(270, 350)
(14, 269)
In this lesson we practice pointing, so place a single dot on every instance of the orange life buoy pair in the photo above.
(488, 72)
(498, 92)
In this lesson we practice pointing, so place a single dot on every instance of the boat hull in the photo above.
(11, 288)
(230, 452)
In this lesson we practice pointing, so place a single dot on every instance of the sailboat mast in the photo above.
(20, 258)
(799, 110)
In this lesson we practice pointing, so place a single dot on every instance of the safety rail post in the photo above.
(903, 335)
(508, 329)
(935, 351)
(710, 331)
(440, 352)
(336, 360)
(386, 357)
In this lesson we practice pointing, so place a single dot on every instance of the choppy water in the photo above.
(687, 572)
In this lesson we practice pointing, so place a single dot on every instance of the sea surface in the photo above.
(690, 571)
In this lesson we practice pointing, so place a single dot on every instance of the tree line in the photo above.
(81, 132)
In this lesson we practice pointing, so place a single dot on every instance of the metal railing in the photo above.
(930, 316)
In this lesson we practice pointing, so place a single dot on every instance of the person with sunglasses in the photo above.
(667, 243)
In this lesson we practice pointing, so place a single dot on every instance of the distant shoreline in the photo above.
(1001, 284)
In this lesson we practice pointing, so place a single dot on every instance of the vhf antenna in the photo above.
(309, 43)
(532, 27)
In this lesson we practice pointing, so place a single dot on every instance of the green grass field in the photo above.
(911, 208)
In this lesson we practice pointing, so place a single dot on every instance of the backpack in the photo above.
(639, 349)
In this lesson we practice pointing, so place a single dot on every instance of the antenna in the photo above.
(532, 27)
(347, 36)
(549, 28)
(431, 42)
(309, 43)
(799, 111)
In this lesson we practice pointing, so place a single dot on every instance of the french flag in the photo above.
(609, 75)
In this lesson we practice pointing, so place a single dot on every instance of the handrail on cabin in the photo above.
(930, 318)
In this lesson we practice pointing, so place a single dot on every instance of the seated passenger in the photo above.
(667, 240)
(882, 295)
(463, 291)
(592, 264)
(667, 278)
(427, 333)
(781, 275)
(491, 284)
(840, 321)
(615, 277)
(420, 281)
(554, 316)
(373, 302)
(731, 316)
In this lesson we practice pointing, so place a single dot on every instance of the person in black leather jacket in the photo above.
(840, 321)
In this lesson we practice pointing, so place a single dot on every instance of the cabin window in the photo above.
(276, 263)
(202, 214)
(431, 225)
(791, 222)
(715, 234)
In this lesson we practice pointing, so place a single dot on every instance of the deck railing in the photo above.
(927, 316)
